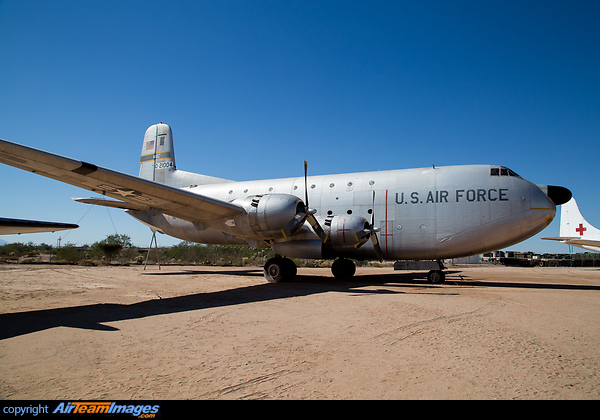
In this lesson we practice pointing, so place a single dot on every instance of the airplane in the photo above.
(422, 215)
(18, 226)
(575, 230)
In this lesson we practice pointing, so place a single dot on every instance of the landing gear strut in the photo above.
(280, 269)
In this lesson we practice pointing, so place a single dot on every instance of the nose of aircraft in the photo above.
(558, 195)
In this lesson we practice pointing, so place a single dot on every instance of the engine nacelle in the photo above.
(266, 215)
(346, 231)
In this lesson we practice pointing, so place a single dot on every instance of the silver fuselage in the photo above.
(426, 213)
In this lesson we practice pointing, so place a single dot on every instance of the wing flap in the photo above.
(141, 193)
(110, 203)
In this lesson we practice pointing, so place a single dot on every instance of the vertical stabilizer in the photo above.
(573, 225)
(158, 157)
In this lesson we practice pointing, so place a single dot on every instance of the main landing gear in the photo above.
(281, 269)
(343, 268)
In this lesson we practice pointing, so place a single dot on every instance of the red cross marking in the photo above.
(580, 229)
(344, 230)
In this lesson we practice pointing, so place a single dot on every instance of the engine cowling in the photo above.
(266, 215)
(345, 235)
(346, 231)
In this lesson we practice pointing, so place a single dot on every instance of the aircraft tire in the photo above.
(436, 277)
(343, 268)
(279, 269)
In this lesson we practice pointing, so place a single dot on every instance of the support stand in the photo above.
(150, 247)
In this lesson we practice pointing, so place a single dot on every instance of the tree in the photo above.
(116, 239)
(68, 253)
(113, 244)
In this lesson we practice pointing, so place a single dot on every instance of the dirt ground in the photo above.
(489, 332)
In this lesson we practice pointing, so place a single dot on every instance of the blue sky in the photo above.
(253, 88)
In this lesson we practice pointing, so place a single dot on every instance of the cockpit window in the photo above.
(502, 171)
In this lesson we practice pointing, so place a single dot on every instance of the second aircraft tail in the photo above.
(573, 225)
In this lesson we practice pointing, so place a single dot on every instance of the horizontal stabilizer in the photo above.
(576, 241)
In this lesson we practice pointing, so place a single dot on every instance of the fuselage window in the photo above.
(512, 173)
(502, 171)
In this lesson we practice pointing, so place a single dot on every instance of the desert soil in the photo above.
(185, 332)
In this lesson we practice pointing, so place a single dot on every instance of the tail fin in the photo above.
(158, 157)
(573, 225)
(158, 161)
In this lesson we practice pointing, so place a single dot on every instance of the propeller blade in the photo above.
(373, 210)
(294, 224)
(374, 231)
(376, 246)
(364, 235)
(306, 184)
(316, 227)
(311, 212)
(306, 214)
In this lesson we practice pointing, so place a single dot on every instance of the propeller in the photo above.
(304, 214)
(371, 231)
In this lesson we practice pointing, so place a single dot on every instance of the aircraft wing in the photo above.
(17, 226)
(142, 194)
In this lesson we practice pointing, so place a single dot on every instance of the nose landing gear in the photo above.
(436, 276)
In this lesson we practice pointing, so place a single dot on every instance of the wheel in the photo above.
(279, 269)
(436, 276)
(343, 268)
(290, 269)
